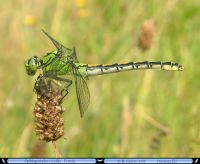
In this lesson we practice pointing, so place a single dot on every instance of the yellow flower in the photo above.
(80, 3)
(30, 20)
(147, 34)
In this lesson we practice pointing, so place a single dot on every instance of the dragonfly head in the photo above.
(31, 65)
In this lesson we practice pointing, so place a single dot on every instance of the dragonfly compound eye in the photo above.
(31, 66)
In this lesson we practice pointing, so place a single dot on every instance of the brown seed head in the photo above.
(48, 114)
(147, 33)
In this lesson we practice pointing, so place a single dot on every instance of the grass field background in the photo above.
(131, 114)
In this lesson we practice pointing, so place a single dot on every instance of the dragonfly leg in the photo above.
(65, 89)
(42, 86)
(63, 95)
(37, 85)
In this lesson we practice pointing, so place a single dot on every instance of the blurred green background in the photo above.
(131, 114)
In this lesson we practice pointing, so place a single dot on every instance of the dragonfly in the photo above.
(56, 66)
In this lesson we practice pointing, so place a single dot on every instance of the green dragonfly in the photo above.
(58, 64)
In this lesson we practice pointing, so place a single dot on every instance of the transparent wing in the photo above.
(62, 50)
(82, 91)
(74, 57)
(62, 55)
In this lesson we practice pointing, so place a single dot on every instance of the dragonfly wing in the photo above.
(62, 50)
(74, 57)
(62, 54)
(82, 91)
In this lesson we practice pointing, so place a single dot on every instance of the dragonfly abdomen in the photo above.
(106, 69)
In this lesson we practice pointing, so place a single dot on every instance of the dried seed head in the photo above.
(146, 34)
(48, 114)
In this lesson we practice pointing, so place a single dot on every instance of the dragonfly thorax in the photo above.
(32, 64)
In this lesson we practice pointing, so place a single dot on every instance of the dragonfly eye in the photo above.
(31, 66)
